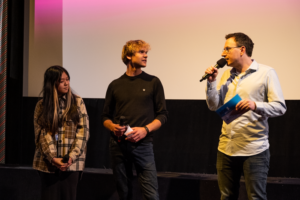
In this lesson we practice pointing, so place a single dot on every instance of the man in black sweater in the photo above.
(139, 97)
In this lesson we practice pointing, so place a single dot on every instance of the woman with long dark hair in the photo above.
(61, 133)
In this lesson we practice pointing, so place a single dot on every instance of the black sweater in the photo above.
(140, 99)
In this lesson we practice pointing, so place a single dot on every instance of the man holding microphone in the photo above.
(139, 99)
(243, 145)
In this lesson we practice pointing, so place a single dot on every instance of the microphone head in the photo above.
(222, 62)
(122, 121)
(66, 158)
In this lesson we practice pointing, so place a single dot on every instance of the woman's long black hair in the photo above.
(49, 117)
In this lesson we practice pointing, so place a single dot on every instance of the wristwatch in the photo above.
(147, 129)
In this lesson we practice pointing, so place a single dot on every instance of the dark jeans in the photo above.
(255, 169)
(59, 186)
(123, 156)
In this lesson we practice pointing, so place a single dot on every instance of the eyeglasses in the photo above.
(227, 49)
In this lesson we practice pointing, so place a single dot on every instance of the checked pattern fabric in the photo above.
(69, 139)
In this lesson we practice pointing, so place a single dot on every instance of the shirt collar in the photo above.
(63, 97)
(253, 67)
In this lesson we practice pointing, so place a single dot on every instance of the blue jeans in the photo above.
(255, 169)
(123, 155)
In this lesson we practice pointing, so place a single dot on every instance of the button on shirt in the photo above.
(248, 134)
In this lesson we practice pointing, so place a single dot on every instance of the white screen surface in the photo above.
(186, 37)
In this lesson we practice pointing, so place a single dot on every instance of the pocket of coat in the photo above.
(70, 129)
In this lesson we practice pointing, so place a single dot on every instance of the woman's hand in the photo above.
(67, 165)
(58, 162)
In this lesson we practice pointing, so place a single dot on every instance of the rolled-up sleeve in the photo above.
(212, 96)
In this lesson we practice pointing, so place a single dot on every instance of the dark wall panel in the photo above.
(284, 140)
(186, 143)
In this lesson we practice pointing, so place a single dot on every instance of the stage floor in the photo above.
(22, 183)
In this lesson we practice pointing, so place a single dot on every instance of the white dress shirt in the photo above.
(248, 134)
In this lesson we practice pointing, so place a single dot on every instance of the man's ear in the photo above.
(243, 50)
(129, 57)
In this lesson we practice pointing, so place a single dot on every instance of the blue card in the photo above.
(227, 112)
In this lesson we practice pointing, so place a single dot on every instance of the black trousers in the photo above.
(60, 185)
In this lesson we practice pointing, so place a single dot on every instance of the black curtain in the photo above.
(14, 82)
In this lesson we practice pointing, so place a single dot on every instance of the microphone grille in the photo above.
(122, 121)
(222, 62)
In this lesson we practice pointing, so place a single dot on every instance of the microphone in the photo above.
(66, 158)
(121, 123)
(221, 63)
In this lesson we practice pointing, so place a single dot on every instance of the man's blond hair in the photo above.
(131, 47)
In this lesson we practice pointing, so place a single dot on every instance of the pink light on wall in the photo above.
(48, 17)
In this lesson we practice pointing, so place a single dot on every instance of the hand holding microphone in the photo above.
(127, 130)
(121, 123)
(212, 72)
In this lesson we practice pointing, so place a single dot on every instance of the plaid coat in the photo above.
(70, 139)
